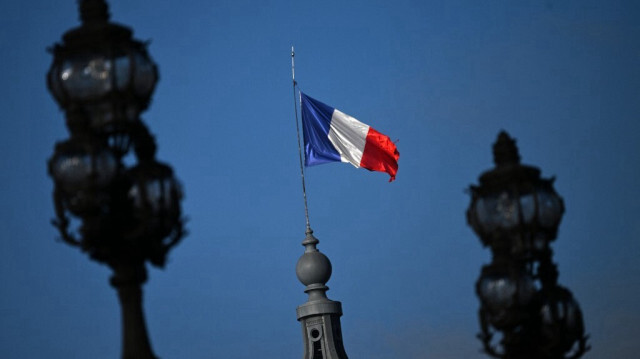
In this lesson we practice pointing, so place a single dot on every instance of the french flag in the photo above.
(331, 136)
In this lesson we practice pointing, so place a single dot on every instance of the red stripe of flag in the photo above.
(380, 154)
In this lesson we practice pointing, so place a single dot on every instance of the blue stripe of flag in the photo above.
(316, 121)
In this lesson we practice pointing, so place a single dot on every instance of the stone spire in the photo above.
(319, 316)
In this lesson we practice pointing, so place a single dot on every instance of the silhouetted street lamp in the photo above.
(121, 215)
(516, 213)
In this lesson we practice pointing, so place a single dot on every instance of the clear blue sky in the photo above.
(442, 77)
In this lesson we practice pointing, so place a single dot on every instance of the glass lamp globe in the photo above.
(155, 196)
(99, 70)
(82, 171)
(505, 296)
(561, 320)
(513, 207)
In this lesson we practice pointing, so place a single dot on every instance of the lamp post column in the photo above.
(127, 279)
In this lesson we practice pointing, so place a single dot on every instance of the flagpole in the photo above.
(295, 108)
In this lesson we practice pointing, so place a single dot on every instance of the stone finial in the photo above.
(313, 268)
(319, 316)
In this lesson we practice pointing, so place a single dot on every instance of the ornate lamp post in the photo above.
(516, 213)
(120, 215)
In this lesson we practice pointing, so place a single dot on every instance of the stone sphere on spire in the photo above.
(313, 268)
